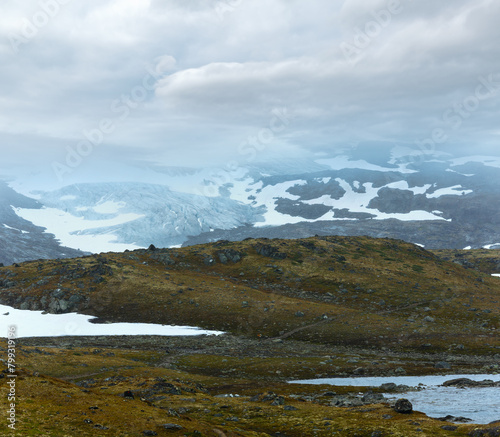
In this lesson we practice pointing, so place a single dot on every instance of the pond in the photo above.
(482, 405)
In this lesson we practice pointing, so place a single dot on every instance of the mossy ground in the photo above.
(50, 406)
(305, 308)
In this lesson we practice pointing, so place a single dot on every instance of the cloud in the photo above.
(220, 68)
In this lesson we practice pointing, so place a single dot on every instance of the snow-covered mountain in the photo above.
(436, 201)
(20, 239)
(119, 216)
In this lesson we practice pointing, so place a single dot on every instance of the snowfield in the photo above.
(69, 229)
(38, 324)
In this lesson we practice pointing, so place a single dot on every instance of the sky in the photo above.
(89, 86)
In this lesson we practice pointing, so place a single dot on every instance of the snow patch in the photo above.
(403, 185)
(15, 229)
(267, 196)
(456, 190)
(343, 162)
(37, 324)
(358, 203)
(492, 246)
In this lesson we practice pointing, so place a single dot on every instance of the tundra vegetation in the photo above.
(291, 309)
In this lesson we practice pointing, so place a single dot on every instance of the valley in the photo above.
(290, 309)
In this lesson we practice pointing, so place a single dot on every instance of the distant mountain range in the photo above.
(437, 202)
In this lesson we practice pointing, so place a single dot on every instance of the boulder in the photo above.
(403, 406)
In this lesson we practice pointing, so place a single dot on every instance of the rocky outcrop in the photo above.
(466, 382)
(269, 251)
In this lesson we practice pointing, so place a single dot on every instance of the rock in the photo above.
(449, 428)
(290, 408)
(400, 371)
(269, 251)
(227, 255)
(299, 314)
(96, 426)
(280, 400)
(373, 398)
(442, 365)
(490, 432)
(466, 382)
(429, 319)
(346, 401)
(152, 247)
(165, 387)
(128, 395)
(172, 427)
(57, 294)
(388, 386)
(403, 406)
(74, 300)
(163, 258)
(256, 398)
(149, 433)
(451, 418)
(208, 260)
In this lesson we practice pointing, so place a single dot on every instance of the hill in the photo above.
(327, 290)
(292, 309)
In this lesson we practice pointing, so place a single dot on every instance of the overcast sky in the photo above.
(201, 82)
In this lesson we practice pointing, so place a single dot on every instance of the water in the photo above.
(482, 405)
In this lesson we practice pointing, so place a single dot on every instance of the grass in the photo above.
(49, 406)
(315, 307)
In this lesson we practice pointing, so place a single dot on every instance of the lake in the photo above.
(482, 405)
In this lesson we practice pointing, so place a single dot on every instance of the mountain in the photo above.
(20, 239)
(119, 216)
(437, 201)
(442, 202)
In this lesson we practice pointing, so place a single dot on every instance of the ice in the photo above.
(67, 228)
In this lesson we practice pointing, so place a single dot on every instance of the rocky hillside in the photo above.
(327, 290)
(293, 309)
